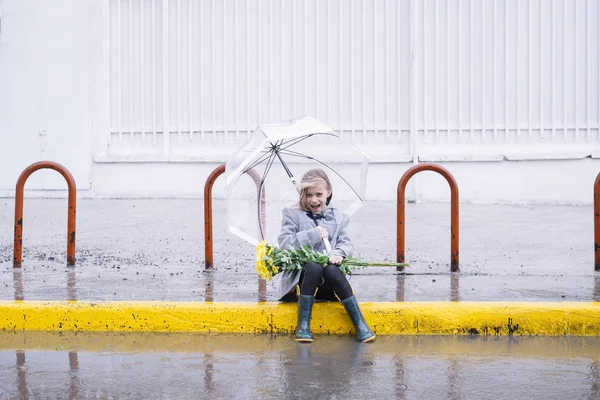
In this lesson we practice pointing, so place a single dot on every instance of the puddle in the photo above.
(157, 366)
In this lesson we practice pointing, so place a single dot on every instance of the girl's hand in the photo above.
(323, 232)
(335, 260)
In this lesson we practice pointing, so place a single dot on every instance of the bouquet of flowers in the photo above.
(272, 260)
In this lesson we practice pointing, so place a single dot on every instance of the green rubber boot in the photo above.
(363, 332)
(305, 305)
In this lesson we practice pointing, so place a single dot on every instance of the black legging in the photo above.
(314, 273)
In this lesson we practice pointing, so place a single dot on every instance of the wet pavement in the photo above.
(161, 366)
(154, 250)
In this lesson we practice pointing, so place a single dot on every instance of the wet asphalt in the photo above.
(154, 250)
(188, 366)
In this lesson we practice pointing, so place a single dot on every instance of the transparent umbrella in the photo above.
(275, 157)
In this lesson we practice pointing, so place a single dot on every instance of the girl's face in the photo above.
(316, 198)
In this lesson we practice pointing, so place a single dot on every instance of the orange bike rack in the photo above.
(18, 243)
(208, 230)
(597, 223)
(400, 234)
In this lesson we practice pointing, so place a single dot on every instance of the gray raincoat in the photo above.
(298, 229)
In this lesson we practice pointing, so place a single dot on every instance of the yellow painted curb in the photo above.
(456, 318)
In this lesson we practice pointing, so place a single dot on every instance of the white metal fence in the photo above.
(189, 79)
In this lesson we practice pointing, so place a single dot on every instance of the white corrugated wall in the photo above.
(187, 80)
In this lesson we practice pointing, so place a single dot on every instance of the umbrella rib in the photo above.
(279, 146)
(259, 160)
(298, 140)
(295, 154)
(270, 160)
(292, 142)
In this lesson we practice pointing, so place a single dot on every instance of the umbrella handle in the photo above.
(327, 245)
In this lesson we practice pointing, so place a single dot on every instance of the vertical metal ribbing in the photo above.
(375, 133)
(566, 70)
(131, 64)
(247, 36)
(153, 68)
(363, 72)
(541, 74)
(423, 48)
(413, 104)
(271, 82)
(328, 70)
(142, 68)
(530, 67)
(494, 78)
(294, 91)
(119, 76)
(165, 79)
(587, 73)
(351, 66)
(317, 86)
(236, 23)
(107, 34)
(506, 131)
(398, 83)
(459, 69)
(436, 86)
(178, 106)
(398, 63)
(564, 75)
(340, 69)
(385, 70)
(472, 67)
(258, 64)
(281, 58)
(448, 71)
(482, 36)
(553, 66)
(190, 86)
(516, 63)
(213, 65)
(305, 58)
(575, 103)
(224, 66)
(200, 74)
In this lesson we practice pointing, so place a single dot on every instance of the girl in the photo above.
(308, 223)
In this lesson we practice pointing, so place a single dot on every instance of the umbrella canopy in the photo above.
(264, 176)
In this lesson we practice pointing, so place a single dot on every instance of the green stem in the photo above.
(376, 264)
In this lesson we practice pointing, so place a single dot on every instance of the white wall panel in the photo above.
(407, 79)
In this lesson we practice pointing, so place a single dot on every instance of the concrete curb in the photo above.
(398, 318)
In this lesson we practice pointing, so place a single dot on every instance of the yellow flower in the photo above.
(261, 264)
(263, 272)
(261, 250)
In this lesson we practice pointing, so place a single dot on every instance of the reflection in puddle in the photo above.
(400, 280)
(454, 286)
(73, 376)
(262, 290)
(21, 375)
(71, 283)
(18, 283)
(596, 294)
(120, 365)
(209, 286)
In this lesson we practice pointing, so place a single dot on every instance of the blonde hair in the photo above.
(312, 178)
